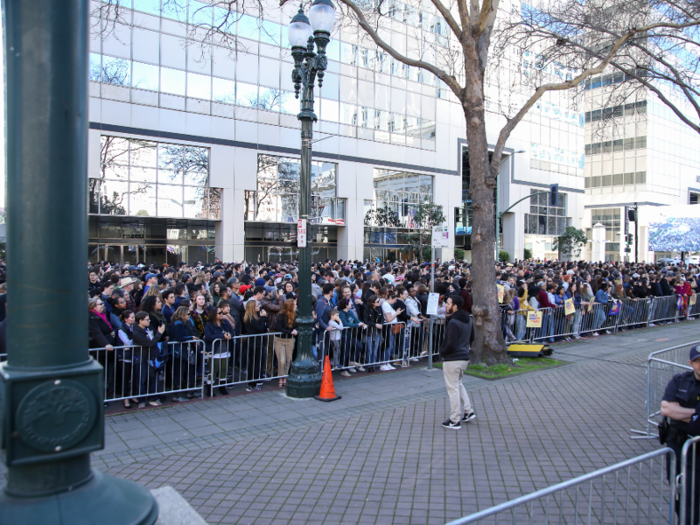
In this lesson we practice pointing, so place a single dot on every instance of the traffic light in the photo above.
(632, 215)
(627, 239)
(631, 238)
(553, 194)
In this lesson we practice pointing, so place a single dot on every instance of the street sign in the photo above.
(301, 233)
(440, 236)
(432, 304)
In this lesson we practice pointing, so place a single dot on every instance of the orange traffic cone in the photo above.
(327, 389)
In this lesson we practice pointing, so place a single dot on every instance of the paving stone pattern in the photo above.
(380, 455)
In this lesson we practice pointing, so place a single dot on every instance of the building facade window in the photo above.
(276, 198)
(397, 195)
(153, 179)
(544, 219)
(611, 219)
(401, 192)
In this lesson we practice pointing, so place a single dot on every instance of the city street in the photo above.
(380, 455)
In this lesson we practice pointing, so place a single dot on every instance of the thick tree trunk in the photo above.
(489, 345)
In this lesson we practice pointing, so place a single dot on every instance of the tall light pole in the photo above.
(304, 377)
(51, 411)
(498, 217)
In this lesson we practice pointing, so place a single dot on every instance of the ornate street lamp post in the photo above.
(304, 377)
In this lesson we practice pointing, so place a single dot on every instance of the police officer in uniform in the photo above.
(681, 404)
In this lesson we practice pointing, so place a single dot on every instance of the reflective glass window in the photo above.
(140, 177)
(246, 95)
(224, 91)
(195, 178)
(145, 76)
(152, 7)
(200, 13)
(270, 33)
(142, 199)
(170, 177)
(332, 50)
(269, 99)
(289, 104)
(114, 198)
(173, 81)
(170, 201)
(225, 19)
(194, 202)
(248, 27)
(95, 74)
(199, 86)
(175, 11)
(143, 153)
(116, 71)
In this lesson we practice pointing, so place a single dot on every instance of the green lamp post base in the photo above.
(103, 499)
(304, 378)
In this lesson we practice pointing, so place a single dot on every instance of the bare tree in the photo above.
(460, 60)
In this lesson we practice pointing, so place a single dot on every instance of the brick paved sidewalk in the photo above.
(379, 455)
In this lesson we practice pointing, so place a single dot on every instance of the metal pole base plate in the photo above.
(104, 499)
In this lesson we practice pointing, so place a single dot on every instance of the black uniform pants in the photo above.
(690, 485)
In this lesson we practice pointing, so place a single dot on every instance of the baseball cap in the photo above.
(150, 276)
(694, 353)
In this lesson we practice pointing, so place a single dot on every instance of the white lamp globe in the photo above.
(299, 30)
(322, 15)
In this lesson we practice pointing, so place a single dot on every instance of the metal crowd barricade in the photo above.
(631, 492)
(688, 509)
(664, 309)
(662, 365)
(251, 359)
(366, 346)
(694, 309)
(634, 312)
(130, 374)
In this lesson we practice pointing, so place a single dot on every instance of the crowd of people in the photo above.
(367, 315)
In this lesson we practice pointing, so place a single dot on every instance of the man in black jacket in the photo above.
(455, 354)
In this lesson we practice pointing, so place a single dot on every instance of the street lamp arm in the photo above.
(521, 200)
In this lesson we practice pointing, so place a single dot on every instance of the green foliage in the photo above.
(527, 254)
(459, 254)
(428, 214)
(570, 243)
(503, 256)
(383, 217)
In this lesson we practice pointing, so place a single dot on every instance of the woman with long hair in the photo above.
(217, 336)
(374, 319)
(255, 346)
(286, 325)
(187, 359)
(199, 314)
(127, 387)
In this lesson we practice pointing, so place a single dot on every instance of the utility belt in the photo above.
(676, 436)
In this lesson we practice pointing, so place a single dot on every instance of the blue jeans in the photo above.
(520, 327)
(373, 341)
(577, 321)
